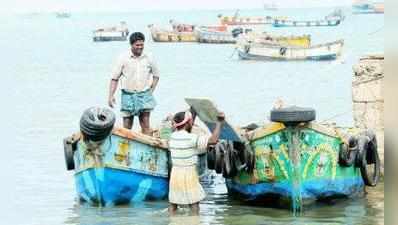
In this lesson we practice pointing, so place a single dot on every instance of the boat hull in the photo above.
(104, 39)
(296, 166)
(311, 191)
(328, 51)
(173, 36)
(319, 23)
(110, 186)
(126, 167)
(246, 56)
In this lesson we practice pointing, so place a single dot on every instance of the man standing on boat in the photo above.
(139, 76)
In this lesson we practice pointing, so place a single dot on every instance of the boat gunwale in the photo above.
(269, 46)
(121, 168)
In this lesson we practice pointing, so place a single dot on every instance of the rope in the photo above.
(376, 31)
(233, 53)
(335, 116)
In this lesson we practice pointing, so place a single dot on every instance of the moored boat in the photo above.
(293, 161)
(238, 35)
(163, 35)
(247, 20)
(215, 37)
(253, 51)
(270, 39)
(115, 33)
(306, 23)
(115, 165)
(365, 7)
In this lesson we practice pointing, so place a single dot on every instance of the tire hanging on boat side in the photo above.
(219, 157)
(211, 158)
(249, 158)
(348, 154)
(97, 123)
(368, 155)
(229, 169)
(68, 153)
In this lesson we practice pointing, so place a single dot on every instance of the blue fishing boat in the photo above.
(115, 166)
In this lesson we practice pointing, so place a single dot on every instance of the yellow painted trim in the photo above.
(267, 130)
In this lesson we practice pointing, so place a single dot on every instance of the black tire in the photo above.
(348, 154)
(68, 153)
(219, 163)
(282, 51)
(211, 158)
(368, 155)
(293, 114)
(229, 169)
(97, 123)
(252, 162)
(235, 32)
(249, 158)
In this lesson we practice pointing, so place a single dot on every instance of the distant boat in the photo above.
(247, 20)
(367, 7)
(115, 33)
(234, 36)
(175, 35)
(62, 14)
(327, 51)
(378, 7)
(306, 23)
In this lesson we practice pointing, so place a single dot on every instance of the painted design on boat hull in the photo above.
(301, 163)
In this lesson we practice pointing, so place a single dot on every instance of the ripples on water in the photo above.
(219, 208)
(52, 71)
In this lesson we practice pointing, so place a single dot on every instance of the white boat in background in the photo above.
(116, 33)
(327, 51)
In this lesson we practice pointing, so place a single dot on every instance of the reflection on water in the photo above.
(219, 208)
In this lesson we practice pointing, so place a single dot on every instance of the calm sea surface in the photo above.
(52, 71)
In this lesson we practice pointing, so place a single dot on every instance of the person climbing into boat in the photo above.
(184, 146)
(139, 77)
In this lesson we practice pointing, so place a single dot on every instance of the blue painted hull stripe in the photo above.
(119, 186)
(309, 189)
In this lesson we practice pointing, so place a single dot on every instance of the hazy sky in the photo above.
(133, 5)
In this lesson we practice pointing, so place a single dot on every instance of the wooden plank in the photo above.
(145, 139)
(207, 112)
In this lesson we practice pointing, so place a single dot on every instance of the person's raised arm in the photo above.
(217, 130)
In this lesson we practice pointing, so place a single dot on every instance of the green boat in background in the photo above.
(293, 161)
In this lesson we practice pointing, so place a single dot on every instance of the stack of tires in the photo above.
(228, 158)
(362, 153)
(97, 123)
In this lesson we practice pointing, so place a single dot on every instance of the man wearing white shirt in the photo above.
(139, 76)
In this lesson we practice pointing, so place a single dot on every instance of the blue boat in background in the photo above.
(119, 166)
